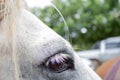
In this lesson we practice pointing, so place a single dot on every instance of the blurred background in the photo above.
(89, 21)
(94, 26)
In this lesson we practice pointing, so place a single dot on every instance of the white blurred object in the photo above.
(88, 63)
(102, 51)
(38, 3)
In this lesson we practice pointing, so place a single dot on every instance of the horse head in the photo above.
(29, 50)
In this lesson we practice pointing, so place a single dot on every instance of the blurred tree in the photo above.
(88, 20)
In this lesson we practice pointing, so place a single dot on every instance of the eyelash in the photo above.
(58, 63)
(57, 58)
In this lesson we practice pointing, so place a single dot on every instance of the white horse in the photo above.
(29, 50)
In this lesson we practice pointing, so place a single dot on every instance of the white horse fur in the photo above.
(26, 43)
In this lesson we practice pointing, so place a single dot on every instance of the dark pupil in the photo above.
(58, 67)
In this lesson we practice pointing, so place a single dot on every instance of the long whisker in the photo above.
(66, 25)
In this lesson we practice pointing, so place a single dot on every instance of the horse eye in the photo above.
(59, 63)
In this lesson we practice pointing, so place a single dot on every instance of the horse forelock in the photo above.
(9, 14)
(9, 10)
(7, 7)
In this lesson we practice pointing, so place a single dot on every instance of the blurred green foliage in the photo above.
(88, 20)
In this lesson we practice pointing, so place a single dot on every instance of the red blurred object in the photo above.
(110, 70)
(114, 72)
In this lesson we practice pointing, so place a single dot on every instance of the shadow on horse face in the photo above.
(41, 53)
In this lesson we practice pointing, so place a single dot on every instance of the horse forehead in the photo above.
(38, 39)
(33, 32)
